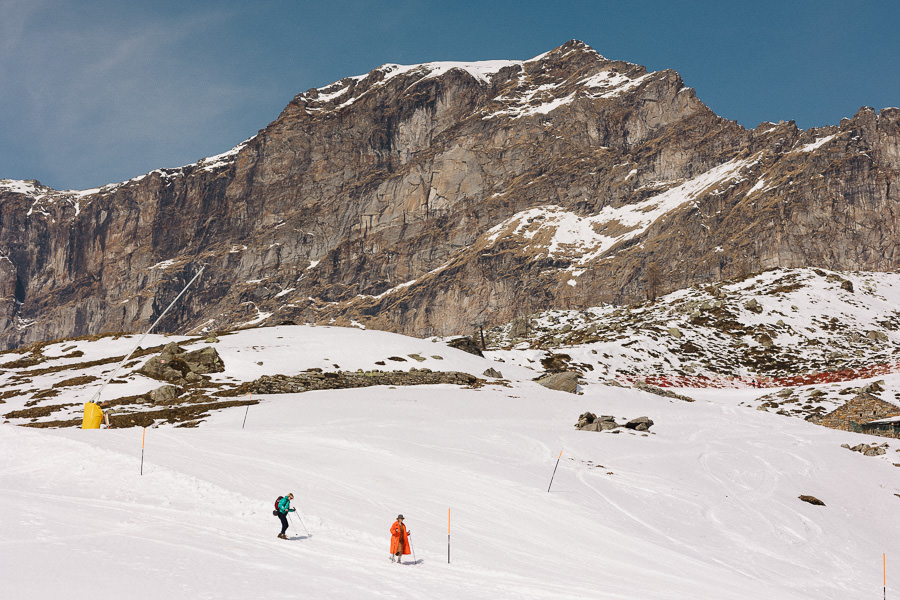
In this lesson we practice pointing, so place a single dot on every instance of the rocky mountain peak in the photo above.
(427, 198)
(571, 71)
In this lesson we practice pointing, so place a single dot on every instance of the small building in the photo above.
(883, 427)
(864, 413)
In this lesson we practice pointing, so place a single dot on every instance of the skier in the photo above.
(283, 507)
(399, 540)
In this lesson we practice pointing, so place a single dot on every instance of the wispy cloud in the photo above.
(88, 90)
(14, 15)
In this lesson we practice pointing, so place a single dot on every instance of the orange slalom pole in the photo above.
(143, 435)
(884, 575)
(554, 470)
(448, 536)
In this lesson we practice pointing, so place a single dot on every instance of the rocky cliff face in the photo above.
(426, 199)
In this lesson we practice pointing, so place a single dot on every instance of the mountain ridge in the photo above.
(374, 199)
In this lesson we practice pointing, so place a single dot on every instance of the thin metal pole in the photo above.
(136, 346)
(448, 536)
(143, 435)
(246, 413)
(554, 470)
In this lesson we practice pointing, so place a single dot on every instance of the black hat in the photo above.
(399, 517)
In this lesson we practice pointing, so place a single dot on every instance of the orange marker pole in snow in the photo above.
(554, 470)
(143, 435)
(448, 536)
(884, 574)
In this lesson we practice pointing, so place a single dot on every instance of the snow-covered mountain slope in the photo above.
(51, 382)
(807, 320)
(706, 504)
(552, 232)
(808, 338)
(808, 329)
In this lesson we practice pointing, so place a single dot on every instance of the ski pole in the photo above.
(308, 534)
(411, 549)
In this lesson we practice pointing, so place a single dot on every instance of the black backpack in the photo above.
(277, 511)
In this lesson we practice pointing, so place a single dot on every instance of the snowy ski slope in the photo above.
(704, 505)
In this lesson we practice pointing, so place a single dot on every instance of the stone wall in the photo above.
(858, 411)
(890, 429)
(317, 380)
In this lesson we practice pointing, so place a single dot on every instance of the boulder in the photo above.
(585, 419)
(640, 424)
(642, 385)
(811, 500)
(605, 422)
(867, 450)
(466, 344)
(590, 422)
(765, 340)
(156, 366)
(566, 381)
(873, 388)
(492, 372)
(166, 394)
(753, 306)
(175, 365)
(205, 360)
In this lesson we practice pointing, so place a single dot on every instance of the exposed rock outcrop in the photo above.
(811, 500)
(653, 389)
(565, 381)
(466, 344)
(427, 199)
(867, 450)
(166, 394)
(640, 424)
(590, 422)
(317, 380)
(176, 365)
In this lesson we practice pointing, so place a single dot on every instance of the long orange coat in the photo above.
(399, 538)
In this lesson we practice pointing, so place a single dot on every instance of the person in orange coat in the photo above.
(399, 540)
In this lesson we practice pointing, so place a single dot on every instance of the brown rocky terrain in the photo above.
(430, 198)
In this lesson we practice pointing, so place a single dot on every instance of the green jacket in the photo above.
(284, 505)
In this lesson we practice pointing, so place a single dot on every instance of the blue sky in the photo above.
(99, 91)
